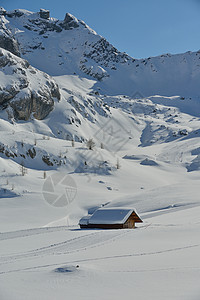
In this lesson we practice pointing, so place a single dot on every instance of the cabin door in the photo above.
(131, 224)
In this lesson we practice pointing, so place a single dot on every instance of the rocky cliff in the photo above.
(25, 90)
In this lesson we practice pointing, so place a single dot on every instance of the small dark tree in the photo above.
(90, 144)
(23, 170)
(118, 164)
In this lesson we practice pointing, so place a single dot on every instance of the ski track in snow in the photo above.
(105, 258)
(77, 244)
(169, 209)
(29, 232)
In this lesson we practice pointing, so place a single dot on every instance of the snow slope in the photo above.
(156, 147)
(45, 255)
(158, 260)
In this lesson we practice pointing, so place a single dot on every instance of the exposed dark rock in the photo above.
(69, 22)
(7, 152)
(15, 13)
(31, 152)
(43, 26)
(2, 11)
(2, 148)
(9, 43)
(38, 104)
(46, 160)
(96, 72)
(28, 27)
(19, 94)
(6, 95)
(104, 51)
(42, 105)
(44, 14)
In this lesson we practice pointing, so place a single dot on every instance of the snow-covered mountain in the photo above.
(73, 107)
(70, 47)
(42, 116)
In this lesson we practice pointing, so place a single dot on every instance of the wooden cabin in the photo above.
(111, 218)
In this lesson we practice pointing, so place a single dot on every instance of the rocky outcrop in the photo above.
(105, 54)
(42, 23)
(69, 22)
(25, 104)
(7, 40)
(95, 71)
(25, 89)
(44, 14)
(2, 11)
(94, 55)
(14, 13)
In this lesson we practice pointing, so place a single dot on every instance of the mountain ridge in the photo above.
(70, 47)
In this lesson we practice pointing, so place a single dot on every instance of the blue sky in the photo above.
(141, 28)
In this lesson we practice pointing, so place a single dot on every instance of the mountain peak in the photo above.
(2, 10)
(70, 47)
(44, 13)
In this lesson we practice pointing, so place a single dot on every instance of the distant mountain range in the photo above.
(70, 47)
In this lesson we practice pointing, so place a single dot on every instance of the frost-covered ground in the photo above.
(159, 260)
(155, 142)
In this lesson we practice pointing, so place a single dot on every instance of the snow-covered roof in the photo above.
(84, 220)
(110, 216)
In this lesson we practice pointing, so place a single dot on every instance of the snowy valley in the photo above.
(61, 85)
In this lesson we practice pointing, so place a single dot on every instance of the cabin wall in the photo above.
(103, 226)
(106, 226)
(130, 223)
(83, 226)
